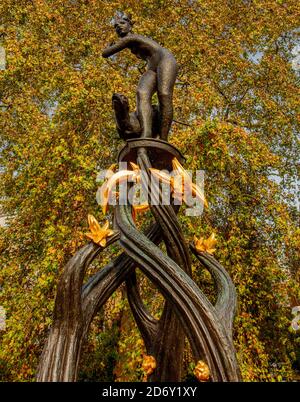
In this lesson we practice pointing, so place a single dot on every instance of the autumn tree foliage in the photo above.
(236, 106)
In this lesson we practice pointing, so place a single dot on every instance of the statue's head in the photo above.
(123, 24)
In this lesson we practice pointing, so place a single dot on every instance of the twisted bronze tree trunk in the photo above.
(199, 318)
(187, 311)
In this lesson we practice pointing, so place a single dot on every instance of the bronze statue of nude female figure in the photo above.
(159, 77)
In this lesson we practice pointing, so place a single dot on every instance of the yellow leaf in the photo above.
(97, 234)
(207, 245)
(201, 371)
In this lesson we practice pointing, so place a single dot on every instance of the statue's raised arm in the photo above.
(159, 77)
(116, 47)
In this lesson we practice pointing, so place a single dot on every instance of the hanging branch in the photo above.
(147, 325)
(226, 303)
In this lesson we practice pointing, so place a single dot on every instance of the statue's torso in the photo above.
(148, 50)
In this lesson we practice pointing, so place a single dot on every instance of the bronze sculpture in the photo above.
(159, 77)
(187, 310)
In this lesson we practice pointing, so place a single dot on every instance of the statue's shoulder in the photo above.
(139, 38)
(134, 36)
(145, 40)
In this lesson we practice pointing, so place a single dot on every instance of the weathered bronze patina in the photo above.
(159, 77)
(188, 312)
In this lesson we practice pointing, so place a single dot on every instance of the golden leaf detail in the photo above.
(148, 365)
(184, 180)
(207, 245)
(198, 193)
(97, 233)
(134, 166)
(164, 177)
(107, 187)
(201, 371)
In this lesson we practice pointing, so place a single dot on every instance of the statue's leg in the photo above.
(166, 77)
(145, 90)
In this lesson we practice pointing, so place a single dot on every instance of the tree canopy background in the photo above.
(237, 94)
